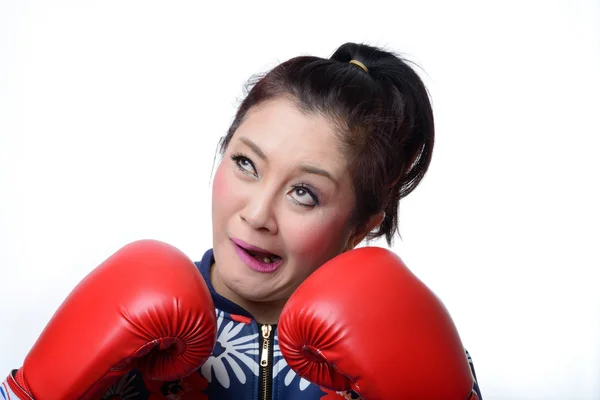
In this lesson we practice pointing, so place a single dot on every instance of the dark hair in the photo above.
(383, 115)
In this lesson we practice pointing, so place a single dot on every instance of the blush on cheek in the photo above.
(313, 246)
(221, 186)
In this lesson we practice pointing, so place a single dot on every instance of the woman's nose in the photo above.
(258, 212)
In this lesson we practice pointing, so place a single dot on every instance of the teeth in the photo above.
(265, 259)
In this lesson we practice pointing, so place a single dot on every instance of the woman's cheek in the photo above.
(316, 243)
(221, 185)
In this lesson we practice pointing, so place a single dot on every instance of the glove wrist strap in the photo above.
(10, 389)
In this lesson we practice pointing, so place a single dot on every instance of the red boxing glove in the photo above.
(364, 322)
(145, 307)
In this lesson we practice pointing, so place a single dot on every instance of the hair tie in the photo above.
(363, 66)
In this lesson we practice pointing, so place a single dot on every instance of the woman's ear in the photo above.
(361, 232)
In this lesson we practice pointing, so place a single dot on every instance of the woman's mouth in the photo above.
(267, 258)
(256, 258)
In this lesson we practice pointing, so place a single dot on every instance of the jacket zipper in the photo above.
(266, 359)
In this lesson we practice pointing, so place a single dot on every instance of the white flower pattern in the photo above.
(237, 351)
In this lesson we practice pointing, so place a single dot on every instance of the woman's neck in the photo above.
(264, 312)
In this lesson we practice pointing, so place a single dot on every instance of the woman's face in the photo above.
(283, 186)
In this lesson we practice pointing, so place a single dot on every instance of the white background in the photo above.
(110, 113)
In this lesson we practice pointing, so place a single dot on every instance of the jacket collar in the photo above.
(221, 302)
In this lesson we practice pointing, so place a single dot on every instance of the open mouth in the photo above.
(266, 258)
(256, 253)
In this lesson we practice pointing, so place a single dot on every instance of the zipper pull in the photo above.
(264, 356)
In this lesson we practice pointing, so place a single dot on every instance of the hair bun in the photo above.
(347, 52)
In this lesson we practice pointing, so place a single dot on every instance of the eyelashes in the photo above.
(298, 192)
(239, 158)
(303, 189)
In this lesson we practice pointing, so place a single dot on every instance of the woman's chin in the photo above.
(257, 293)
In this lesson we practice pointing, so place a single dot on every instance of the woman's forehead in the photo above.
(279, 126)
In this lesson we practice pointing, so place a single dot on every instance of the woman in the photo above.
(316, 160)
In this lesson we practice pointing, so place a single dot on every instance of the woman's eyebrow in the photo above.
(303, 167)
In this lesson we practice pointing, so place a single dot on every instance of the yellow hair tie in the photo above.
(363, 66)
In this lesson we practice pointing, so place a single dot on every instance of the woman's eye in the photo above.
(244, 164)
(304, 196)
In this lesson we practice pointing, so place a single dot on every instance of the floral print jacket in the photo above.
(239, 368)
